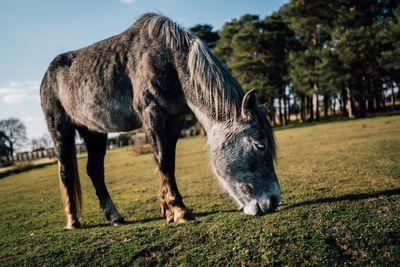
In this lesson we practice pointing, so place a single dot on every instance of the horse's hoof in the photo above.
(118, 222)
(180, 215)
(186, 216)
(73, 226)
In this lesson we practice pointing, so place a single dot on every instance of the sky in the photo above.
(33, 32)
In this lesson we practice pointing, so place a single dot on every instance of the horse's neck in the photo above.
(215, 129)
(211, 92)
(206, 121)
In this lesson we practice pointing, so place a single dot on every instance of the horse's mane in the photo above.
(215, 89)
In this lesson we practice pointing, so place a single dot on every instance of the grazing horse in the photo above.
(150, 76)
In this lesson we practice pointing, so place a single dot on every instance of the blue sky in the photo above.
(33, 32)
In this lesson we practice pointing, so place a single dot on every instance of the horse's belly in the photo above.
(101, 114)
(109, 119)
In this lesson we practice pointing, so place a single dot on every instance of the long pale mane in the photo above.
(215, 89)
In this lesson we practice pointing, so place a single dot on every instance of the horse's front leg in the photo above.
(163, 134)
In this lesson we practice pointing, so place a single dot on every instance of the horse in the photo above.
(150, 76)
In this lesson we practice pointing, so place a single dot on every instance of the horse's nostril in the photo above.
(253, 208)
(274, 202)
(259, 210)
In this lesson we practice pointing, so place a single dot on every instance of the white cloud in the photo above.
(128, 1)
(20, 99)
(15, 98)
(18, 92)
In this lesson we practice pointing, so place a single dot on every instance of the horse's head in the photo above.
(242, 156)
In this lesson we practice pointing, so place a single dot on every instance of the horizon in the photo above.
(42, 30)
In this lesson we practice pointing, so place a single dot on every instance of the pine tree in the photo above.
(356, 29)
(257, 53)
(224, 49)
(389, 57)
(311, 20)
(206, 34)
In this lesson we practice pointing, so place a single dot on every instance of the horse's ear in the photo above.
(249, 104)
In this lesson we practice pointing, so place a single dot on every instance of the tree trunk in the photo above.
(350, 103)
(284, 108)
(310, 108)
(303, 116)
(11, 151)
(361, 111)
(393, 96)
(396, 84)
(371, 106)
(377, 99)
(334, 106)
(316, 102)
(295, 105)
(288, 108)
(280, 111)
(326, 106)
(344, 102)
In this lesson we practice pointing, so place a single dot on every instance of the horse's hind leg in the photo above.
(96, 144)
(163, 135)
(63, 134)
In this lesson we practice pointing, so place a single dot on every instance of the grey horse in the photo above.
(150, 76)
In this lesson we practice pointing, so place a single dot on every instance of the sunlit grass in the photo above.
(340, 204)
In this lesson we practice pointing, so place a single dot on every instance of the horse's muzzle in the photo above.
(262, 206)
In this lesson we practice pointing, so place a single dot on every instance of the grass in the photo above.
(340, 186)
(23, 166)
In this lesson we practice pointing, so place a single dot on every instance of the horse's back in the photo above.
(93, 86)
(107, 85)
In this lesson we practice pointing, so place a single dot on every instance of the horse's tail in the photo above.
(77, 185)
(77, 192)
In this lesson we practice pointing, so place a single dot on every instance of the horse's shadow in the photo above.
(347, 197)
(197, 215)
(127, 222)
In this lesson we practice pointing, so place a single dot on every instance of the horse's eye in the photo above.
(259, 146)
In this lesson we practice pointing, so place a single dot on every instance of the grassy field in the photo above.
(340, 186)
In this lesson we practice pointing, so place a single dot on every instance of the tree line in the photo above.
(313, 58)
(309, 59)
(13, 138)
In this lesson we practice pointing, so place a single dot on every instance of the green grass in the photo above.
(340, 186)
